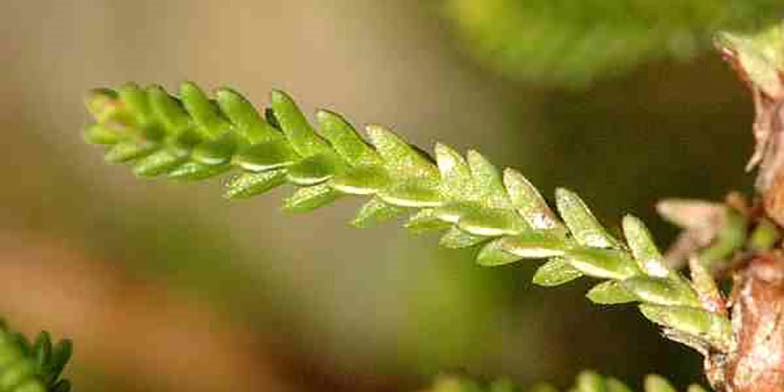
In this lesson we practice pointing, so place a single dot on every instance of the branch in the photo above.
(192, 137)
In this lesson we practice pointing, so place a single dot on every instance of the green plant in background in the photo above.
(192, 136)
(572, 43)
(586, 382)
(36, 367)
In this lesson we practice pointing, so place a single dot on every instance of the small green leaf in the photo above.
(309, 198)
(602, 263)
(374, 212)
(492, 222)
(127, 151)
(493, 254)
(361, 180)
(205, 113)
(400, 158)
(296, 128)
(488, 181)
(535, 245)
(137, 103)
(661, 291)
(345, 139)
(655, 383)
(714, 328)
(610, 292)
(452, 212)
(643, 248)
(696, 388)
(99, 134)
(706, 288)
(456, 239)
(555, 272)
(314, 169)
(192, 171)
(426, 219)
(103, 105)
(157, 163)
(266, 156)
(246, 120)
(581, 222)
(411, 194)
(168, 111)
(529, 203)
(455, 174)
(185, 141)
(251, 184)
(215, 152)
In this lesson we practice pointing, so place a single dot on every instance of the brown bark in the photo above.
(757, 363)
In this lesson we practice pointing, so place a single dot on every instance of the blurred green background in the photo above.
(168, 289)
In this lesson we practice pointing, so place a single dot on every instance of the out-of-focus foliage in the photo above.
(586, 382)
(572, 42)
(32, 367)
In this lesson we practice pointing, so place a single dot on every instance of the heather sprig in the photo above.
(192, 136)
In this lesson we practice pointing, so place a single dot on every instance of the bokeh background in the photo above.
(169, 287)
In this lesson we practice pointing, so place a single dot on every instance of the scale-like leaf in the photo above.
(456, 239)
(246, 120)
(314, 169)
(374, 212)
(345, 139)
(361, 180)
(643, 248)
(168, 111)
(555, 272)
(610, 292)
(309, 198)
(661, 291)
(158, 163)
(581, 222)
(602, 263)
(301, 135)
(534, 245)
(266, 156)
(494, 254)
(529, 203)
(206, 114)
(251, 184)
